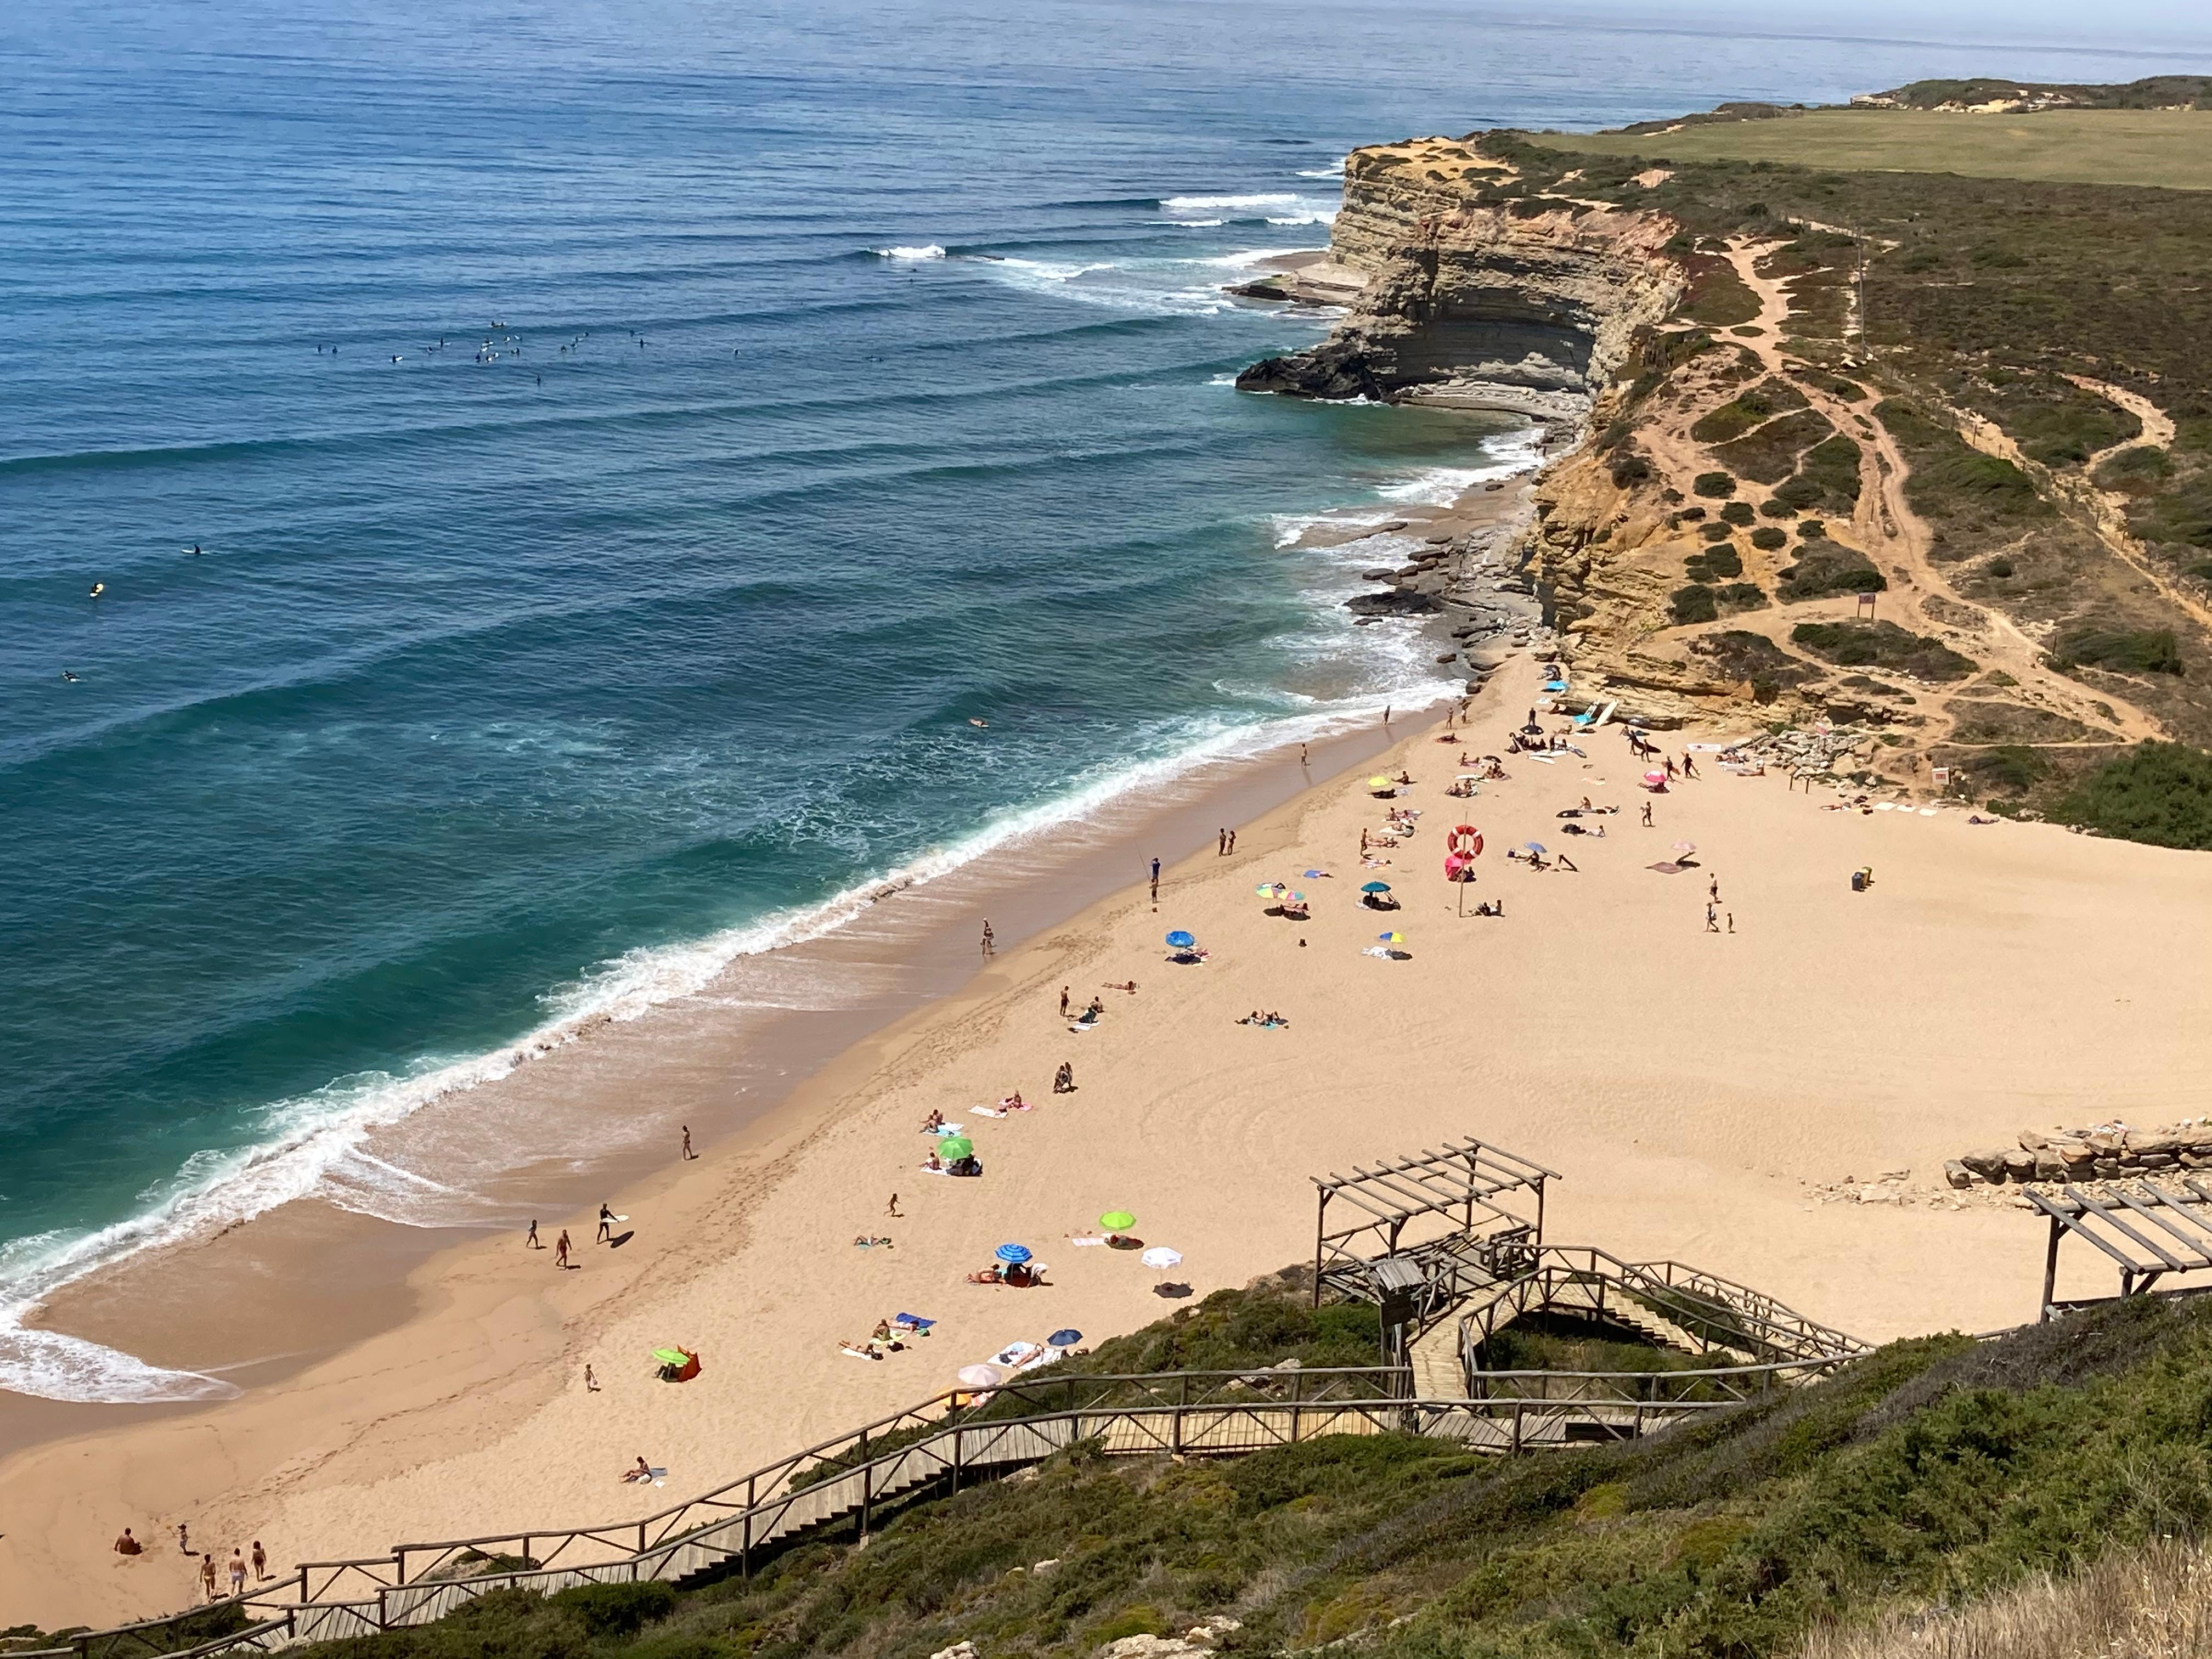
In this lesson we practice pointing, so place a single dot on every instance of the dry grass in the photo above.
(2155, 1602)
(2169, 149)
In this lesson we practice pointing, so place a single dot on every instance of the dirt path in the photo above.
(1899, 541)
(2157, 425)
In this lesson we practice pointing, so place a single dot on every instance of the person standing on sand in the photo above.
(1232, 841)
(237, 1571)
(607, 1232)
(184, 1539)
(1713, 890)
(1712, 920)
(1155, 881)
(688, 1153)
(530, 1240)
(560, 1249)
(1689, 764)
(1063, 1002)
(591, 1383)
(1302, 755)
(1671, 773)
(1731, 916)
(260, 1562)
(1221, 843)
(990, 944)
(1647, 815)
(892, 1209)
(207, 1577)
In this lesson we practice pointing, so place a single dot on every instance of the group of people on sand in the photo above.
(127, 1545)
(891, 1336)
(1271, 1019)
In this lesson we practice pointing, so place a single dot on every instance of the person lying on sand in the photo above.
(859, 1350)
(1130, 986)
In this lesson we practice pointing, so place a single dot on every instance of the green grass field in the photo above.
(2168, 149)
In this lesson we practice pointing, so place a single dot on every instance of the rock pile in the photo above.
(2103, 1154)
(1808, 751)
(1203, 1638)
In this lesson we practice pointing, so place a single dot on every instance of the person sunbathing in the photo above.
(933, 1164)
(988, 1276)
(1014, 1102)
(1130, 986)
(932, 1123)
(643, 1473)
(1404, 777)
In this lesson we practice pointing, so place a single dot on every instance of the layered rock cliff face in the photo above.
(1529, 307)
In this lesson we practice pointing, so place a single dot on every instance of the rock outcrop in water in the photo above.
(1474, 305)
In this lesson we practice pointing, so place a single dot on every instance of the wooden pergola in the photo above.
(1444, 1202)
(2147, 1229)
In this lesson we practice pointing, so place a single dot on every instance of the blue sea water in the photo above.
(626, 445)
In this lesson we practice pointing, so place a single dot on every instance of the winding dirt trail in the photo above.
(1899, 541)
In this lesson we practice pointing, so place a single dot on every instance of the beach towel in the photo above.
(993, 1111)
(852, 1352)
(1080, 1243)
(914, 1322)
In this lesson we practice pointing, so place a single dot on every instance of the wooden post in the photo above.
(2051, 1269)
(746, 1538)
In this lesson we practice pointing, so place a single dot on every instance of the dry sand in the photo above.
(1692, 1088)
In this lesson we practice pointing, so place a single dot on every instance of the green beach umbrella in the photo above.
(671, 1355)
(1115, 1221)
(955, 1147)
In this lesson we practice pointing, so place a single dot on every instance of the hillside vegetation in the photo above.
(1935, 1473)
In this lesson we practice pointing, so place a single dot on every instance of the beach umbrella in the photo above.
(1655, 777)
(1297, 898)
(1269, 889)
(1391, 938)
(1160, 1256)
(1181, 940)
(955, 1147)
(1534, 846)
(1012, 1255)
(1375, 887)
(1117, 1221)
(1380, 783)
(1315, 875)
(1064, 1338)
(671, 1356)
(982, 1377)
(1686, 847)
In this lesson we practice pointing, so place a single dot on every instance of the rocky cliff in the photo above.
(1528, 305)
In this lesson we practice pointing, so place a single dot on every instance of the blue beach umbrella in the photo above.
(1065, 1338)
(1374, 886)
(1181, 940)
(1535, 846)
(1012, 1255)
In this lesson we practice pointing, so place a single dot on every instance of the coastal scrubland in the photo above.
(2035, 1485)
(1959, 361)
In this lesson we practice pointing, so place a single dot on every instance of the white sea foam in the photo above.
(1253, 256)
(1334, 170)
(1182, 205)
(1190, 224)
(1440, 486)
(931, 250)
(1310, 216)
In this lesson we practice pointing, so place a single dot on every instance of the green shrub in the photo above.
(1767, 539)
(2146, 651)
(2000, 568)
(1711, 563)
(1691, 514)
(1882, 645)
(616, 1609)
(1716, 532)
(1777, 510)
(1812, 530)
(1736, 513)
(1741, 596)
(1693, 604)
(2158, 793)
(1629, 470)
(1714, 486)
(1769, 454)
(1824, 568)
(2010, 766)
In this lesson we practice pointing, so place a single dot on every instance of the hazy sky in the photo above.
(2107, 23)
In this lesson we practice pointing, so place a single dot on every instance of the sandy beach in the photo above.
(1696, 1091)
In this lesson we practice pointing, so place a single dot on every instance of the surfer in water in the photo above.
(98, 589)
(70, 677)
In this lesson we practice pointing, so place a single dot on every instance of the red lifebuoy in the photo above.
(1467, 839)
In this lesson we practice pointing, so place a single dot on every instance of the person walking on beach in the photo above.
(260, 1562)
(207, 1577)
(892, 1209)
(530, 1241)
(1386, 714)
(1689, 764)
(1647, 815)
(1712, 920)
(990, 944)
(688, 1153)
(607, 1232)
(1713, 890)
(591, 1383)
(237, 1571)
(560, 1249)
(1302, 755)
(184, 1539)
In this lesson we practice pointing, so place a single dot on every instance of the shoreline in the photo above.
(1696, 1091)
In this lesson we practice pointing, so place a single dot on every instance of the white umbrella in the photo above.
(1160, 1256)
(982, 1377)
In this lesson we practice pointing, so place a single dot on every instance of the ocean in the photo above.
(566, 479)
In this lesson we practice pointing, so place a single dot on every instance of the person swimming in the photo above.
(98, 589)
(70, 677)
